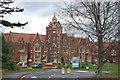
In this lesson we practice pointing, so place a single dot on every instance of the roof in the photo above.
(16, 37)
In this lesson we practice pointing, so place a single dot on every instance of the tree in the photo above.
(98, 20)
(5, 9)
(68, 46)
(7, 61)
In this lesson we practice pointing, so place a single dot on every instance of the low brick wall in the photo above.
(49, 66)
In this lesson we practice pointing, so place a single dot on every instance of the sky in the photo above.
(38, 14)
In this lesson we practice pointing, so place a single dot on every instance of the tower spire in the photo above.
(54, 19)
(54, 14)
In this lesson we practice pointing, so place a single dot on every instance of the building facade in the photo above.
(54, 47)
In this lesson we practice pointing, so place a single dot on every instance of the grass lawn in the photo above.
(113, 68)
(114, 71)
(28, 70)
(5, 72)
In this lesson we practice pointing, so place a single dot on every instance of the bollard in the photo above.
(87, 67)
(63, 71)
(68, 70)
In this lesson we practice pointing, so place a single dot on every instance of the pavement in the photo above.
(49, 73)
(15, 75)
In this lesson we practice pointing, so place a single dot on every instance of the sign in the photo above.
(44, 57)
(75, 62)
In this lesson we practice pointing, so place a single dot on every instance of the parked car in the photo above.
(25, 65)
(37, 65)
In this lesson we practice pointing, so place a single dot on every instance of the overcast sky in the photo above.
(38, 14)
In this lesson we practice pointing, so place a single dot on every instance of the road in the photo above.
(55, 73)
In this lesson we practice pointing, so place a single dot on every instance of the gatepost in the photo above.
(30, 63)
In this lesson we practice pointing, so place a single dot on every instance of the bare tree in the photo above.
(66, 46)
(98, 20)
(6, 9)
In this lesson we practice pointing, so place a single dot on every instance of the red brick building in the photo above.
(52, 47)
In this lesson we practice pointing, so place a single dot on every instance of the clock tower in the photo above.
(53, 30)
(54, 33)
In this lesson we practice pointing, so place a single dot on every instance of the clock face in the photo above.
(54, 31)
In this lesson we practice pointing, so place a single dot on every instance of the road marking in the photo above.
(22, 76)
(81, 71)
(33, 77)
(73, 73)
(52, 75)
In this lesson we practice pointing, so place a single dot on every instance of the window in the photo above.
(37, 57)
(80, 50)
(87, 50)
(36, 61)
(37, 47)
(23, 57)
(21, 47)
(45, 49)
(89, 58)
(36, 54)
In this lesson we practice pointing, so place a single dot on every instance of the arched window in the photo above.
(37, 47)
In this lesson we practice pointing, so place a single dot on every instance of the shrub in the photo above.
(8, 63)
(82, 64)
(59, 66)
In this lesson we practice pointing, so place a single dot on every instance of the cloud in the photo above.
(40, 9)
(35, 24)
(38, 15)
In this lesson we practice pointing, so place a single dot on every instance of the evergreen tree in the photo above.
(7, 61)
